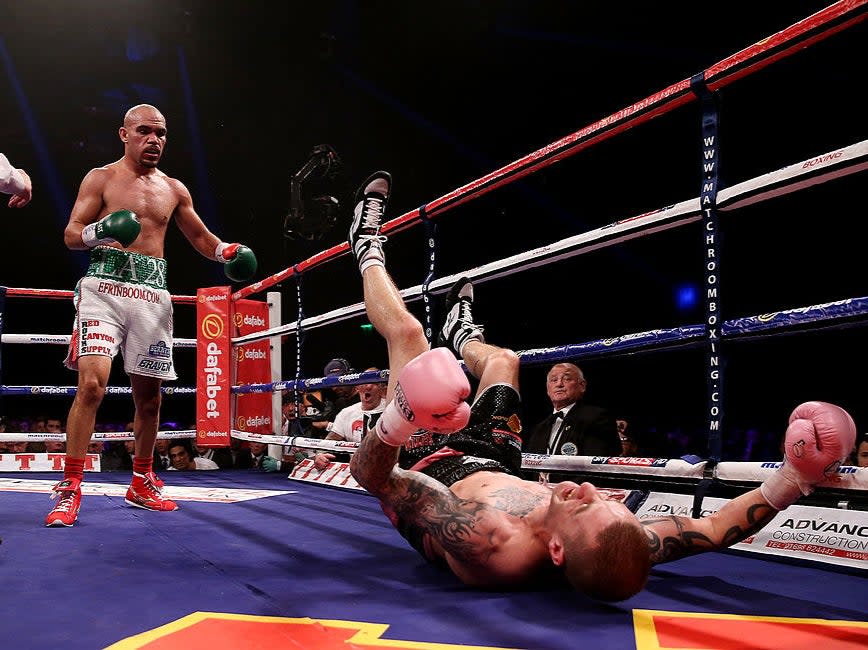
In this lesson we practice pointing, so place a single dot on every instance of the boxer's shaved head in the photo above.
(139, 111)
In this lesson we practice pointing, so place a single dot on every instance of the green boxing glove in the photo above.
(239, 260)
(120, 227)
(270, 464)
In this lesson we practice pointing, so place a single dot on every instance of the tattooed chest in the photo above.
(515, 501)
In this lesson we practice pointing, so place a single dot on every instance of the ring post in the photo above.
(714, 359)
(213, 367)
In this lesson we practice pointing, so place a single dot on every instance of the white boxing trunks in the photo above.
(122, 304)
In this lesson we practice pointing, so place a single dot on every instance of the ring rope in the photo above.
(848, 478)
(96, 436)
(66, 294)
(63, 339)
(64, 391)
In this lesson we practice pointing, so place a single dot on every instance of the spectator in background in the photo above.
(98, 447)
(129, 453)
(17, 447)
(38, 424)
(161, 454)
(574, 428)
(335, 398)
(55, 447)
(235, 456)
(54, 425)
(258, 452)
(354, 421)
(293, 455)
(15, 182)
(242, 458)
(306, 426)
(629, 440)
(318, 406)
(860, 455)
(183, 459)
(220, 455)
(118, 456)
(342, 396)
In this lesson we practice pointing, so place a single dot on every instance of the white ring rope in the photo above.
(36, 436)
(849, 478)
(63, 339)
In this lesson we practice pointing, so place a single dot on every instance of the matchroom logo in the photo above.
(212, 326)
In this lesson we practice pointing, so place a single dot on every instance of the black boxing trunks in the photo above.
(491, 441)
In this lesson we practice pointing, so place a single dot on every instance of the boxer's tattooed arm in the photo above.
(465, 529)
(373, 464)
(673, 537)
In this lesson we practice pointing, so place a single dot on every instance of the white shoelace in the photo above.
(465, 317)
(65, 502)
(371, 215)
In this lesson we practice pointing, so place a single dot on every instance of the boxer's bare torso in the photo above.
(152, 195)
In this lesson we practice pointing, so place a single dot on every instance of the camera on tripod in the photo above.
(311, 217)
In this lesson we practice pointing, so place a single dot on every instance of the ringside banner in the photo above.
(213, 367)
(827, 535)
(42, 462)
(335, 474)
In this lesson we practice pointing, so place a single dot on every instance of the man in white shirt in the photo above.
(15, 182)
(353, 422)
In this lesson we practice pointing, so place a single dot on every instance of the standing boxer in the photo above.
(447, 477)
(121, 214)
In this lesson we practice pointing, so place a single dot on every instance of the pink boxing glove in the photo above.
(429, 395)
(817, 441)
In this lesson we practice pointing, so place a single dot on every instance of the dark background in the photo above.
(440, 94)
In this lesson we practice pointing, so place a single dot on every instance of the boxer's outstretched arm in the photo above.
(673, 537)
(818, 438)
